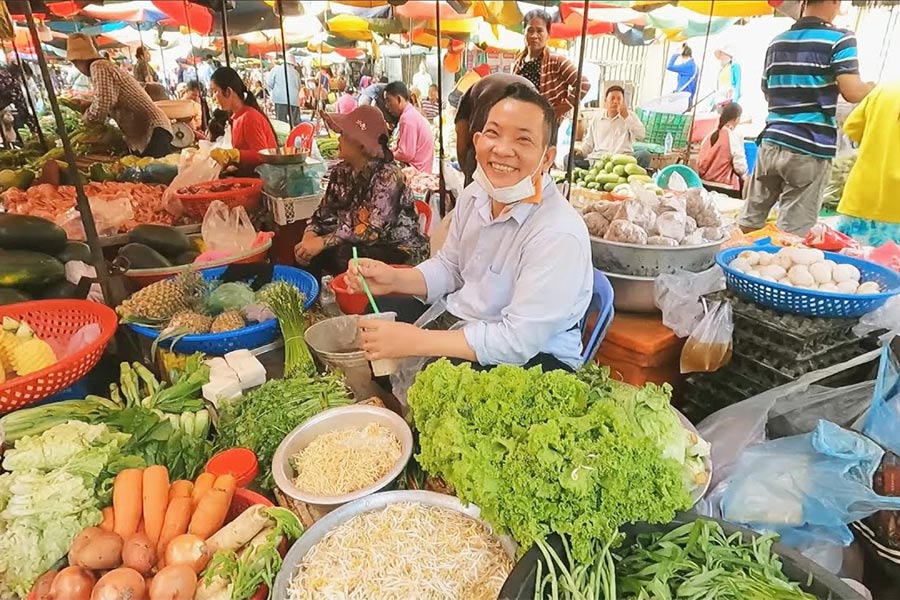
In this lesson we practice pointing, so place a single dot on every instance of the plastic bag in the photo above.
(883, 421)
(622, 231)
(637, 213)
(678, 297)
(808, 486)
(195, 166)
(227, 230)
(800, 411)
(672, 203)
(660, 240)
(708, 348)
(234, 295)
(597, 224)
(671, 225)
(109, 217)
(886, 318)
(407, 368)
(702, 208)
(824, 237)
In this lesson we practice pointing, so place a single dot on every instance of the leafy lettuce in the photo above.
(52, 490)
(542, 452)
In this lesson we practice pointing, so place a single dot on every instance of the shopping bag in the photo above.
(708, 348)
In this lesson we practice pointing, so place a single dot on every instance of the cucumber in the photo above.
(27, 269)
(141, 256)
(619, 170)
(186, 258)
(59, 291)
(623, 159)
(640, 178)
(168, 241)
(635, 169)
(24, 232)
(75, 251)
(607, 178)
(12, 295)
(608, 187)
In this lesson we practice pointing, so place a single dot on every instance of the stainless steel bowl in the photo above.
(343, 417)
(633, 294)
(651, 261)
(283, 156)
(323, 527)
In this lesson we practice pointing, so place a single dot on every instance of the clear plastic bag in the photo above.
(883, 421)
(637, 213)
(597, 225)
(109, 217)
(195, 166)
(671, 225)
(227, 230)
(886, 318)
(624, 232)
(678, 297)
(708, 348)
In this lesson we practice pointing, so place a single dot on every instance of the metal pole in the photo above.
(110, 296)
(287, 83)
(442, 184)
(571, 162)
(29, 100)
(187, 20)
(225, 33)
(699, 78)
(162, 58)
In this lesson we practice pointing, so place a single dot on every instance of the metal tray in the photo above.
(651, 261)
(317, 532)
(633, 293)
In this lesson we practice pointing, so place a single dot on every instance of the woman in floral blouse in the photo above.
(367, 203)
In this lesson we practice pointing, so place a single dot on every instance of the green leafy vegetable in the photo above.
(286, 301)
(262, 418)
(54, 487)
(540, 453)
(568, 579)
(698, 560)
(38, 419)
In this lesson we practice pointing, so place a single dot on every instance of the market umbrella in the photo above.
(729, 8)
(186, 14)
(680, 24)
(136, 11)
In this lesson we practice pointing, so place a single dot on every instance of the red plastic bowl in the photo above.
(350, 303)
(250, 197)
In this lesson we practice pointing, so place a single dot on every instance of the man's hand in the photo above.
(623, 112)
(308, 249)
(380, 277)
(386, 339)
(225, 156)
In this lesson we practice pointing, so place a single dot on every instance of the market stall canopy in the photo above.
(137, 11)
(730, 8)
(679, 24)
(186, 14)
(603, 13)
(356, 28)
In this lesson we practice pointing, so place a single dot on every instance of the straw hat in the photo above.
(364, 125)
(81, 47)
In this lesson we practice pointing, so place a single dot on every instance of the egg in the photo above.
(800, 276)
(785, 261)
(740, 265)
(868, 287)
(750, 256)
(821, 272)
(844, 272)
(828, 287)
(768, 278)
(753, 273)
(830, 263)
(766, 259)
(807, 256)
(776, 272)
(847, 287)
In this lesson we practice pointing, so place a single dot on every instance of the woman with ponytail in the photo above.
(251, 130)
(722, 158)
(367, 203)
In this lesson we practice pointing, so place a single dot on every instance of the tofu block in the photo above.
(250, 371)
(222, 389)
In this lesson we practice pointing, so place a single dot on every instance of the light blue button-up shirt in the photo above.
(521, 282)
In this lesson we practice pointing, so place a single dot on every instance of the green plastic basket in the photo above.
(659, 124)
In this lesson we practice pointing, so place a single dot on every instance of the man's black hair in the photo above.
(383, 79)
(686, 51)
(614, 88)
(526, 93)
(537, 13)
(397, 88)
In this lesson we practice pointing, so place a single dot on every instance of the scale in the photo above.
(181, 113)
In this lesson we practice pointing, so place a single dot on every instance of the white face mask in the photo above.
(510, 194)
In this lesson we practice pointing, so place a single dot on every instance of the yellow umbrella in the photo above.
(457, 26)
(500, 38)
(362, 3)
(498, 12)
(729, 8)
(350, 27)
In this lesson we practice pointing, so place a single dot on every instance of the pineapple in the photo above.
(229, 320)
(8, 343)
(188, 322)
(159, 302)
(32, 355)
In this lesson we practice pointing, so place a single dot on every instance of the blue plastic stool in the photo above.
(602, 305)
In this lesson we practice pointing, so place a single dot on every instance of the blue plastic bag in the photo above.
(883, 422)
(805, 487)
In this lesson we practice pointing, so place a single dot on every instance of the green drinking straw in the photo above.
(365, 285)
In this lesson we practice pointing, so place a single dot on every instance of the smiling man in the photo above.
(515, 272)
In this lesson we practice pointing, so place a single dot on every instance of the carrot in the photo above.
(156, 497)
(109, 519)
(140, 528)
(178, 515)
(127, 501)
(213, 508)
(181, 488)
(203, 484)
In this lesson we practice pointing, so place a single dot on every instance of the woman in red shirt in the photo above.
(251, 130)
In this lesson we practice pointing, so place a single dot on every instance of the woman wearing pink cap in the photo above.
(366, 204)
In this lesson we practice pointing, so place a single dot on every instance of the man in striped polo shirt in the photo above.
(806, 67)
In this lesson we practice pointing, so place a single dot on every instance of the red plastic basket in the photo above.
(60, 319)
(195, 205)
(241, 501)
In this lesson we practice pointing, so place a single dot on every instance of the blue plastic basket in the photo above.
(812, 303)
(249, 337)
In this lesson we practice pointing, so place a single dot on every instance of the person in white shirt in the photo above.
(422, 80)
(515, 271)
(614, 130)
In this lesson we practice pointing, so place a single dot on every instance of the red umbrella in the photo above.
(350, 53)
(186, 14)
(571, 28)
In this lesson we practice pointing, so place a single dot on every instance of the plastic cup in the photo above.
(383, 366)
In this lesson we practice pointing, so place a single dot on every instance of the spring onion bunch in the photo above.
(286, 301)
